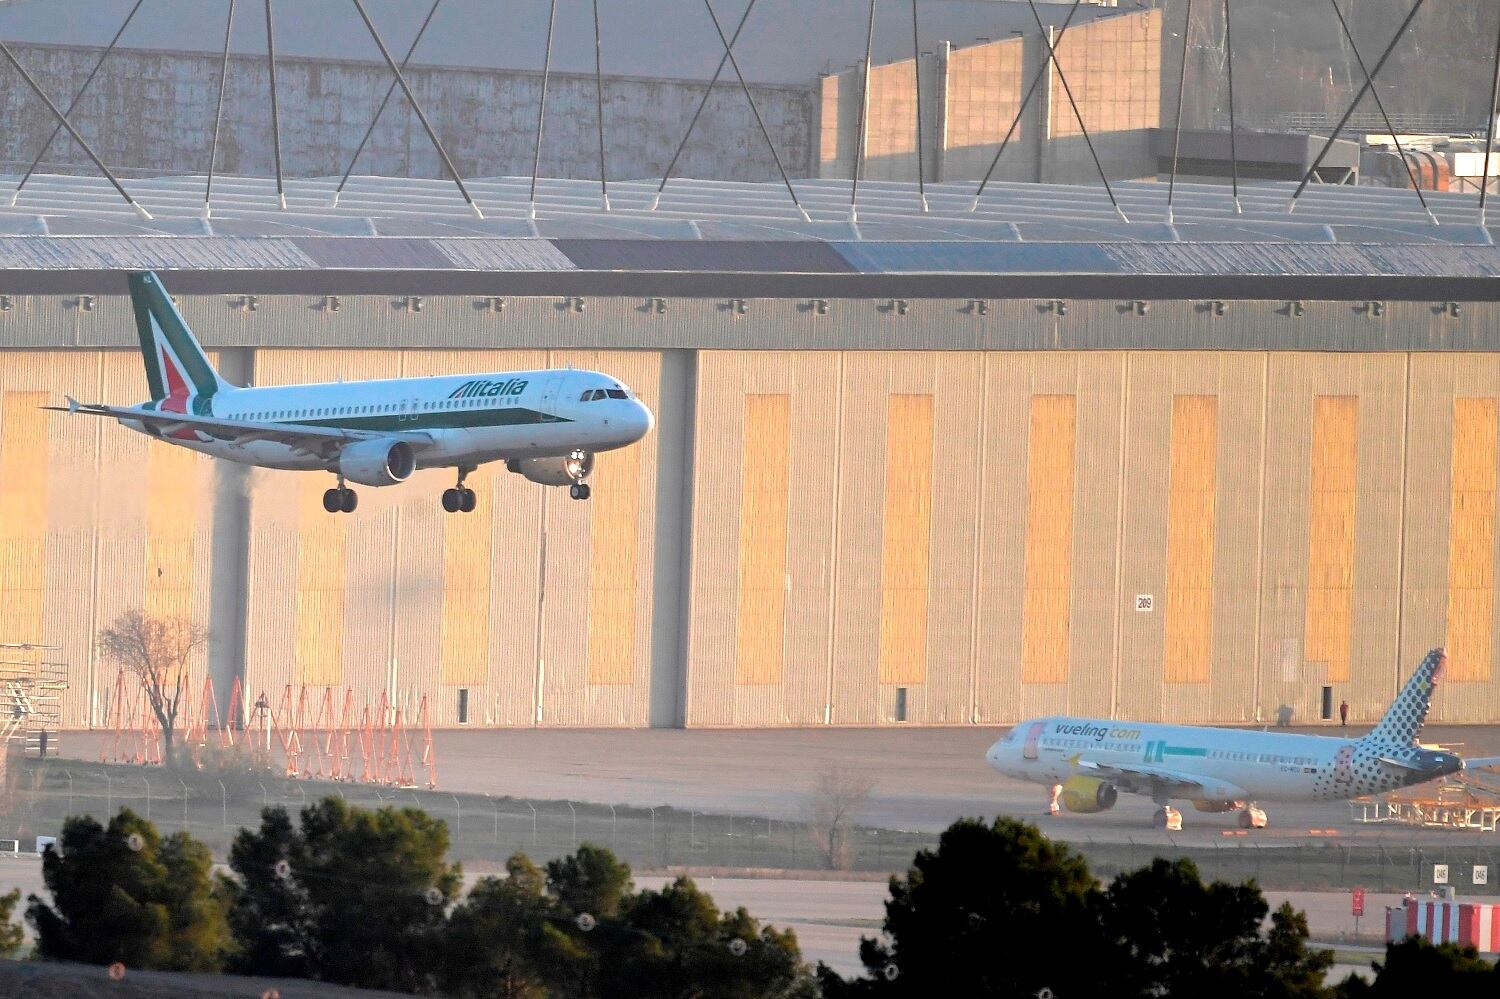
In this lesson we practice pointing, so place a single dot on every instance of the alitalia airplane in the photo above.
(545, 425)
(1089, 761)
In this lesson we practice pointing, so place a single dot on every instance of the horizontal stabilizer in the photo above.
(306, 438)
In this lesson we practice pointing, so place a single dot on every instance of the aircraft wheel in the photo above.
(453, 501)
(468, 501)
(332, 501)
(579, 491)
(349, 500)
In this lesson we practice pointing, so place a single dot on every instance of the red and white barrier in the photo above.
(1441, 921)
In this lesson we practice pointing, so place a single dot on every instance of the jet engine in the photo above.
(1218, 806)
(378, 462)
(1088, 794)
(554, 471)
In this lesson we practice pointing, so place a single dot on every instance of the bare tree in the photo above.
(156, 651)
(836, 799)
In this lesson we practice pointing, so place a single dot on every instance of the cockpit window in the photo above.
(594, 395)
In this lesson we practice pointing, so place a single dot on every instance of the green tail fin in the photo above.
(176, 366)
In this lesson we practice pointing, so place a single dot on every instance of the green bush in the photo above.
(354, 896)
(124, 893)
(12, 936)
(1001, 910)
(1417, 967)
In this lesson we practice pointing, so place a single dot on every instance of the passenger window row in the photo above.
(370, 410)
(304, 414)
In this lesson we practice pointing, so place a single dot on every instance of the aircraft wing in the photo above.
(1481, 762)
(325, 441)
(1139, 778)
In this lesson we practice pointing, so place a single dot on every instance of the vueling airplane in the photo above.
(545, 425)
(1089, 761)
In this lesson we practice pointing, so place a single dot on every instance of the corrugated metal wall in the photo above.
(1439, 477)
(1195, 536)
(1191, 535)
(93, 520)
(539, 606)
(469, 323)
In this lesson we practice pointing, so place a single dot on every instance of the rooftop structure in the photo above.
(673, 39)
(73, 234)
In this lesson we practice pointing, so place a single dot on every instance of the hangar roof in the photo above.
(724, 210)
(68, 223)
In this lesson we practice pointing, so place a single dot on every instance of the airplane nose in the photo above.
(640, 421)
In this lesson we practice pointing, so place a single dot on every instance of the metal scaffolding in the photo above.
(31, 689)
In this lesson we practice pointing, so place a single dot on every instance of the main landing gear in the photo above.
(461, 498)
(1167, 818)
(340, 499)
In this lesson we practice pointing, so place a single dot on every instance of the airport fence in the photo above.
(1398, 861)
(484, 830)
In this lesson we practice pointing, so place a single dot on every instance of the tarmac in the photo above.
(923, 778)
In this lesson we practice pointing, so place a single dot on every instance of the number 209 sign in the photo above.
(1357, 902)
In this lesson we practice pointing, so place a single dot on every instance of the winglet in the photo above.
(73, 404)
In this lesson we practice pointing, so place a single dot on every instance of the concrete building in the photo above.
(478, 72)
(943, 468)
(972, 95)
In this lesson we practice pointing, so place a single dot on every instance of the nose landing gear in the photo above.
(461, 498)
(578, 465)
(340, 499)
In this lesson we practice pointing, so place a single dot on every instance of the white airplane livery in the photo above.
(545, 425)
(1089, 761)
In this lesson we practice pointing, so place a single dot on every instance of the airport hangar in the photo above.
(949, 468)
